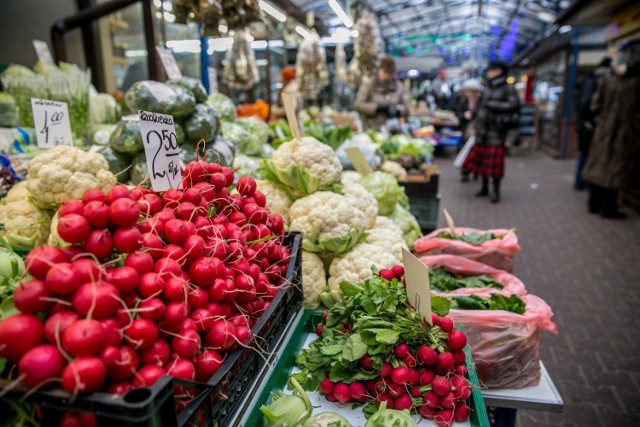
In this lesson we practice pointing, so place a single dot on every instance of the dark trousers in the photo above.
(584, 143)
(603, 200)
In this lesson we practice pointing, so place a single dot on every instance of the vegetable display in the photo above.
(386, 190)
(473, 238)
(126, 138)
(223, 105)
(161, 98)
(443, 280)
(411, 153)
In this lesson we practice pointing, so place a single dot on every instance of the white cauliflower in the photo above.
(277, 200)
(24, 225)
(355, 265)
(350, 177)
(64, 173)
(394, 168)
(387, 234)
(54, 238)
(17, 192)
(362, 200)
(314, 279)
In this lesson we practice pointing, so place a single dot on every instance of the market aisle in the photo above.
(586, 268)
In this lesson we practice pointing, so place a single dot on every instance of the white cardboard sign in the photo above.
(161, 150)
(169, 63)
(51, 122)
(43, 52)
(416, 276)
(213, 80)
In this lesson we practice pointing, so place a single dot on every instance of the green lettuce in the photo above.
(386, 190)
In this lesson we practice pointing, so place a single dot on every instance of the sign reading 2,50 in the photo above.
(167, 143)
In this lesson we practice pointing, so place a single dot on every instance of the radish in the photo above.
(119, 191)
(398, 271)
(185, 211)
(97, 214)
(94, 194)
(426, 377)
(152, 309)
(275, 223)
(414, 377)
(386, 274)
(42, 258)
(193, 196)
(119, 388)
(431, 399)
(260, 198)
(181, 368)
(158, 354)
(125, 279)
(63, 279)
(204, 270)
(427, 412)
(326, 386)
(141, 334)
(461, 413)
(99, 298)
(121, 363)
(341, 392)
(150, 284)
(151, 225)
(435, 319)
(202, 318)
(448, 401)
(427, 355)
(87, 268)
(221, 335)
(99, 243)
(175, 252)
(153, 244)
(127, 239)
(400, 375)
(457, 340)
(148, 375)
(396, 390)
(246, 186)
(198, 298)
(73, 252)
(228, 174)
(71, 419)
(175, 313)
(142, 262)
(150, 204)
(196, 171)
(358, 392)
(218, 291)
(207, 364)
(366, 362)
(85, 337)
(31, 297)
(461, 370)
(445, 363)
(446, 324)
(459, 357)
(415, 391)
(71, 206)
(444, 418)
(84, 375)
(243, 335)
(167, 268)
(403, 402)
(40, 364)
(386, 370)
(410, 361)
(172, 198)
(441, 386)
(73, 228)
(175, 231)
(111, 331)
(186, 344)
(57, 324)
(218, 181)
(194, 247)
(19, 333)
(385, 398)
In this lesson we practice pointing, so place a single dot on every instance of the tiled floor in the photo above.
(585, 267)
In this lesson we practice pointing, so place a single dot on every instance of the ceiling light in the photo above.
(303, 32)
(167, 6)
(271, 10)
(413, 73)
(354, 33)
(157, 3)
(341, 13)
(565, 29)
(169, 17)
(546, 16)
(223, 28)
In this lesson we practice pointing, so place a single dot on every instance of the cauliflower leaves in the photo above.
(314, 279)
(24, 225)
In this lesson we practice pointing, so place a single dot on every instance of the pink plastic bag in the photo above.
(498, 253)
(467, 267)
(506, 346)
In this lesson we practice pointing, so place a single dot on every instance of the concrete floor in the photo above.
(585, 267)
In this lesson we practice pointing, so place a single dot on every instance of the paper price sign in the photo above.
(161, 150)
(452, 226)
(42, 51)
(358, 161)
(51, 122)
(416, 276)
(169, 63)
(213, 79)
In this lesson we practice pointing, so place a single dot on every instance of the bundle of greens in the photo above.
(445, 281)
(512, 303)
(333, 136)
(472, 238)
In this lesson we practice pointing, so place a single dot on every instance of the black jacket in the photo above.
(499, 100)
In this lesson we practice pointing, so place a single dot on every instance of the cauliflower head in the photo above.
(54, 238)
(394, 168)
(64, 173)
(278, 201)
(363, 201)
(350, 177)
(303, 166)
(314, 279)
(387, 234)
(17, 192)
(25, 226)
(355, 265)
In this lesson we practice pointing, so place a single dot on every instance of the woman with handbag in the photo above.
(496, 115)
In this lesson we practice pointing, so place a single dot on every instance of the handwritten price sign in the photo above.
(161, 150)
(169, 63)
(51, 120)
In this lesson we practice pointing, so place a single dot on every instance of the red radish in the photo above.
(203, 271)
(72, 252)
(427, 355)
(202, 318)
(461, 370)
(127, 240)
(19, 333)
(71, 419)
(207, 363)
(88, 420)
(153, 244)
(85, 337)
(403, 402)
(400, 375)
(125, 279)
(193, 195)
(73, 228)
(158, 354)
(396, 390)
(386, 370)
(94, 194)
(243, 335)
(174, 252)
(151, 225)
(398, 271)
(275, 223)
(435, 319)
(99, 243)
(441, 386)
(431, 399)
(97, 214)
(151, 284)
(228, 174)
(175, 313)
(142, 262)
(385, 398)
(444, 418)
(40, 364)
(446, 324)
(198, 298)
(319, 328)
(175, 231)
(458, 357)
(221, 335)
(461, 413)
(150, 204)
(152, 309)
(99, 298)
(124, 212)
(185, 211)
(427, 412)
(63, 279)
(167, 268)
(31, 297)
(410, 361)
(186, 344)
(141, 334)
(172, 198)
(57, 324)
(42, 258)
(414, 377)
(341, 392)
(87, 268)
(218, 180)
(426, 377)
(326, 386)
(119, 191)
(119, 388)
(415, 391)
(121, 363)
(448, 401)
(84, 375)
(148, 375)
(386, 274)
(71, 206)
(112, 334)
(194, 247)
(445, 362)
(181, 368)
(457, 340)
(260, 198)
(366, 362)
(246, 186)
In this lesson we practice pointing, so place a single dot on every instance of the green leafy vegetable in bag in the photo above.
(126, 138)
(443, 280)
(192, 85)
(223, 105)
(201, 124)
(473, 238)
(512, 303)
(162, 98)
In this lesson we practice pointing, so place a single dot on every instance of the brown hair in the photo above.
(388, 64)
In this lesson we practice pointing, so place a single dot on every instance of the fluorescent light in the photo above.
(276, 43)
(303, 32)
(220, 44)
(271, 10)
(167, 6)
(413, 73)
(565, 29)
(157, 3)
(191, 46)
(546, 16)
(341, 13)
(354, 33)
(169, 17)
(223, 28)
(259, 44)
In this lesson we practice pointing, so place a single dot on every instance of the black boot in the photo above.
(484, 191)
(495, 193)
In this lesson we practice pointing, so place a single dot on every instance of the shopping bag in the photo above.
(462, 155)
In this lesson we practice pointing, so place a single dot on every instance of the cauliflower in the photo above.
(330, 222)
(24, 225)
(394, 168)
(387, 234)
(303, 166)
(17, 192)
(407, 223)
(54, 238)
(350, 177)
(277, 200)
(64, 173)
(363, 201)
(314, 279)
(355, 265)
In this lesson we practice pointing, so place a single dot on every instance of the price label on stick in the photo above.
(51, 122)
(161, 150)
(358, 161)
(42, 51)
(290, 111)
(452, 226)
(213, 79)
(169, 63)
(416, 276)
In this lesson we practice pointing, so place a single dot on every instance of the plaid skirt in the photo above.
(486, 161)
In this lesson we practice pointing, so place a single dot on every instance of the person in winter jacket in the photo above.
(290, 87)
(585, 119)
(469, 94)
(382, 97)
(614, 157)
(496, 115)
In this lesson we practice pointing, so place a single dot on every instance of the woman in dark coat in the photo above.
(612, 164)
(495, 116)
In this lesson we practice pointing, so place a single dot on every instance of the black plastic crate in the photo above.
(421, 187)
(426, 209)
(213, 403)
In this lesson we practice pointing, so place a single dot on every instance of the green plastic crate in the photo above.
(426, 209)
(284, 363)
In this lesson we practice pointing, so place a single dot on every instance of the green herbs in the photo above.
(472, 238)
(445, 281)
(333, 136)
(512, 303)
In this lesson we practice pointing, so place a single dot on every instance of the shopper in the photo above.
(290, 87)
(497, 114)
(468, 97)
(585, 118)
(615, 150)
(383, 97)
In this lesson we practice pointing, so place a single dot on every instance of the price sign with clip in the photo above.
(42, 51)
(51, 122)
(161, 150)
(417, 280)
(169, 63)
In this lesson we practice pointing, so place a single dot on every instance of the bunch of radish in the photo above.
(151, 284)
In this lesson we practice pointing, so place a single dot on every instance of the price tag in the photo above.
(358, 161)
(290, 110)
(452, 226)
(169, 63)
(51, 122)
(213, 80)
(42, 51)
(161, 150)
(417, 279)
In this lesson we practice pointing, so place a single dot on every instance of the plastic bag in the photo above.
(158, 97)
(223, 105)
(202, 124)
(103, 109)
(506, 346)
(498, 253)
(366, 146)
(466, 267)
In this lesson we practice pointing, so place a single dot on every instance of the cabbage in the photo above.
(245, 165)
(201, 124)
(103, 109)
(234, 133)
(386, 190)
(223, 105)
(8, 110)
(287, 410)
(384, 417)
(192, 85)
(18, 71)
(327, 419)
(101, 134)
(257, 135)
(408, 224)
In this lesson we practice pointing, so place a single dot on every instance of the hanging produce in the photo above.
(341, 62)
(311, 67)
(241, 71)
(237, 14)
(367, 48)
